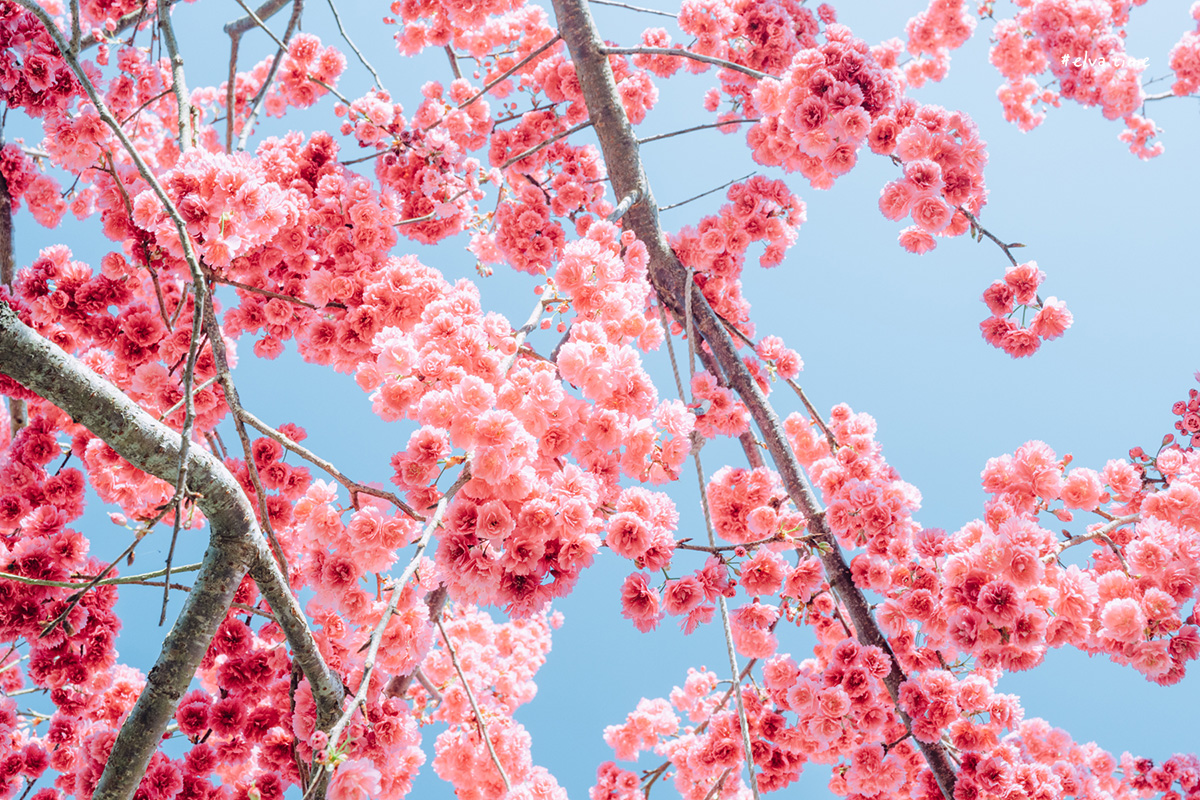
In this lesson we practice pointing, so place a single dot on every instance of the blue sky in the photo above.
(891, 334)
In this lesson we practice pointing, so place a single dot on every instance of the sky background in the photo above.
(889, 333)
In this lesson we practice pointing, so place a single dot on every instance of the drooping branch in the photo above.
(235, 544)
(671, 280)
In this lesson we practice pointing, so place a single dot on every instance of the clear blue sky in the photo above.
(889, 333)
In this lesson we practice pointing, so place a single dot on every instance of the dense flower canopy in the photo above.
(432, 604)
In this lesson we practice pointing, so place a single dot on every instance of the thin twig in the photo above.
(268, 293)
(178, 405)
(670, 51)
(234, 402)
(92, 579)
(487, 87)
(474, 707)
(123, 23)
(706, 194)
(178, 85)
(985, 232)
(706, 126)
(256, 106)
(635, 8)
(185, 441)
(362, 59)
(1100, 533)
(352, 486)
(547, 143)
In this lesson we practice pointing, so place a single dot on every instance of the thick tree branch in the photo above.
(671, 280)
(235, 545)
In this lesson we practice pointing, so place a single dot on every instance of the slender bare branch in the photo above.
(352, 486)
(546, 143)
(487, 87)
(1103, 532)
(671, 51)
(361, 58)
(694, 128)
(178, 84)
(91, 579)
(483, 734)
(636, 8)
(705, 194)
(256, 105)
(360, 696)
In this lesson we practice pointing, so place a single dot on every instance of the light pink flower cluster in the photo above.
(1019, 292)
(946, 25)
(1188, 412)
(817, 114)
(1184, 59)
(33, 77)
(943, 158)
(759, 209)
(1082, 44)
(306, 66)
(500, 661)
(40, 192)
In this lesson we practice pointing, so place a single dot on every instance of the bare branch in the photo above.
(705, 194)
(360, 696)
(487, 87)
(352, 486)
(234, 545)
(361, 58)
(671, 51)
(706, 126)
(178, 85)
(545, 144)
(256, 105)
(474, 707)
(636, 8)
(1103, 532)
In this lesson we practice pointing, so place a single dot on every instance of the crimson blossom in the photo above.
(339, 637)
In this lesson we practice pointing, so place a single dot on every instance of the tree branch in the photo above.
(670, 278)
(155, 448)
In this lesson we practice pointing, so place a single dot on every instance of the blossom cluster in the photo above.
(1019, 291)
(1082, 44)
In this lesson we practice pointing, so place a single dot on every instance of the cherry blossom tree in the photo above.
(331, 619)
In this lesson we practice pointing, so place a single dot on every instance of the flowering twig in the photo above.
(474, 707)
(1101, 532)
(546, 143)
(982, 231)
(503, 76)
(256, 105)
